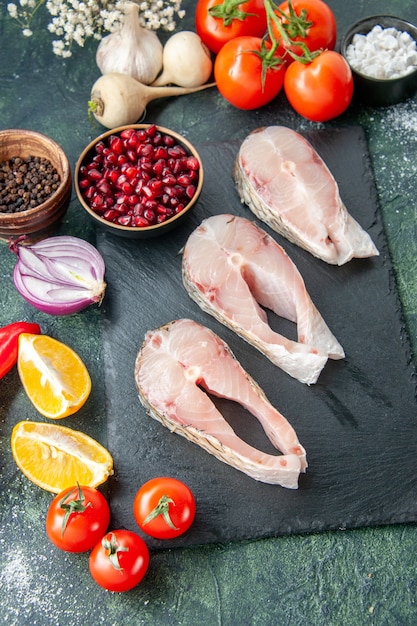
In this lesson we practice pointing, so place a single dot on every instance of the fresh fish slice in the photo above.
(174, 366)
(286, 184)
(231, 267)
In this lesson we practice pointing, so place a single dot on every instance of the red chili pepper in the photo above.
(9, 340)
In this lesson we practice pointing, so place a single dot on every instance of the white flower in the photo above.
(76, 20)
(12, 9)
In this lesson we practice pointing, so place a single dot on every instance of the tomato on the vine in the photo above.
(219, 21)
(322, 89)
(119, 561)
(247, 72)
(311, 22)
(164, 507)
(77, 518)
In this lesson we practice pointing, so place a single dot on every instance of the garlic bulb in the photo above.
(131, 50)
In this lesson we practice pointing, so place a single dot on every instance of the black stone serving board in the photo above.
(358, 423)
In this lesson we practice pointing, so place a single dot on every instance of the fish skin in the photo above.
(232, 268)
(193, 359)
(297, 195)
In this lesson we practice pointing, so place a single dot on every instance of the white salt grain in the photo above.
(383, 53)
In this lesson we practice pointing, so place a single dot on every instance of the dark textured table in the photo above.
(364, 576)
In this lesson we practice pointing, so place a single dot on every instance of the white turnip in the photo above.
(119, 100)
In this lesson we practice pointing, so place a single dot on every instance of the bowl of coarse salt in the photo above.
(382, 53)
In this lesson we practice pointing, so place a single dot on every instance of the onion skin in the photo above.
(59, 275)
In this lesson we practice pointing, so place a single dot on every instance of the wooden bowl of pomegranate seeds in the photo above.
(139, 181)
(35, 185)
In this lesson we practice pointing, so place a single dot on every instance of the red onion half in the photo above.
(59, 275)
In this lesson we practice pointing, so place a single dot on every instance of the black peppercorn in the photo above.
(26, 183)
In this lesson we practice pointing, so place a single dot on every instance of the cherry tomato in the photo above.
(238, 72)
(320, 90)
(216, 31)
(77, 518)
(314, 24)
(119, 561)
(164, 508)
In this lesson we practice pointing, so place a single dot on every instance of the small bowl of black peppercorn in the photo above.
(35, 185)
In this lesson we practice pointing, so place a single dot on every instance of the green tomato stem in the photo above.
(295, 25)
(73, 506)
(110, 544)
(162, 508)
(228, 11)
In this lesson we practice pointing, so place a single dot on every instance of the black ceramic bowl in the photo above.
(374, 91)
(136, 232)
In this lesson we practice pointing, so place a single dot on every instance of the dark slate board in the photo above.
(358, 423)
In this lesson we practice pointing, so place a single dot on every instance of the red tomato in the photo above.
(239, 74)
(216, 31)
(119, 561)
(77, 518)
(164, 508)
(320, 90)
(321, 34)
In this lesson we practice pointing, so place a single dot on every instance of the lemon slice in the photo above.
(54, 377)
(56, 457)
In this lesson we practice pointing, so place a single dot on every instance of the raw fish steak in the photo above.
(232, 269)
(176, 369)
(286, 184)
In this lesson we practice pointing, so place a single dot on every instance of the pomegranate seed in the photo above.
(89, 193)
(190, 191)
(151, 204)
(97, 202)
(131, 155)
(116, 144)
(148, 192)
(138, 209)
(155, 185)
(132, 200)
(193, 163)
(150, 216)
(84, 183)
(100, 146)
(121, 208)
(139, 186)
(111, 215)
(169, 179)
(145, 149)
(104, 187)
(151, 131)
(161, 153)
(169, 141)
(112, 176)
(146, 165)
(159, 166)
(183, 180)
(124, 220)
(94, 174)
(131, 172)
(127, 188)
(127, 133)
(139, 221)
